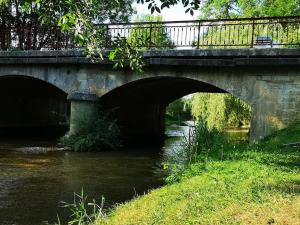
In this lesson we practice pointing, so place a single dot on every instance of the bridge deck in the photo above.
(195, 57)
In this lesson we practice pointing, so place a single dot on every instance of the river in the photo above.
(35, 177)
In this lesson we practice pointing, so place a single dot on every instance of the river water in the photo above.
(35, 177)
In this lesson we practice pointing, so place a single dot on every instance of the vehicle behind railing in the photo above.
(279, 32)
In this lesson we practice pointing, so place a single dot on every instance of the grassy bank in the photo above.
(250, 185)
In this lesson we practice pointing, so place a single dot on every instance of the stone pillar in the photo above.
(83, 105)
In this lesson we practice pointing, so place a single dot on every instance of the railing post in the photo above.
(150, 39)
(252, 38)
(198, 40)
(106, 36)
(29, 33)
(57, 33)
(2, 37)
(8, 37)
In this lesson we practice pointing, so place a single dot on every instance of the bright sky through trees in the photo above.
(176, 12)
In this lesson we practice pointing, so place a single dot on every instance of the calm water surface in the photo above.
(35, 178)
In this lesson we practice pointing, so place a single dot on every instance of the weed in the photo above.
(82, 212)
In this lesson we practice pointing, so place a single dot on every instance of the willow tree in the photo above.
(220, 110)
(180, 109)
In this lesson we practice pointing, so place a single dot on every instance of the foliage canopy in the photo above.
(149, 34)
(249, 8)
(220, 110)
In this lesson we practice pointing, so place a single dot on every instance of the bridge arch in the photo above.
(140, 105)
(192, 83)
(31, 106)
(159, 88)
(53, 77)
(30, 77)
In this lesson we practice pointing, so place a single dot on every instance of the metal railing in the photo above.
(227, 33)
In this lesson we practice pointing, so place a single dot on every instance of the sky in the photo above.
(173, 13)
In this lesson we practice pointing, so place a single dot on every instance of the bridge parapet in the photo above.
(193, 34)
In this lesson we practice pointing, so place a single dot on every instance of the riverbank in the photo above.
(257, 184)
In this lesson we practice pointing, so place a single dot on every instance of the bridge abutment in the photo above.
(275, 102)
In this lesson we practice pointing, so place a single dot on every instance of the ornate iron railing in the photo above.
(227, 33)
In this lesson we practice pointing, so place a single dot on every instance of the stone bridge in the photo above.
(35, 86)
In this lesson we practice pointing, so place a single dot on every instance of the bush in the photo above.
(94, 133)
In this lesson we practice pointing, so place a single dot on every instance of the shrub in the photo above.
(94, 133)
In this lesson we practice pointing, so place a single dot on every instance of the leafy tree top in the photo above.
(249, 8)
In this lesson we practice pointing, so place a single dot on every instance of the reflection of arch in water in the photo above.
(140, 105)
(30, 105)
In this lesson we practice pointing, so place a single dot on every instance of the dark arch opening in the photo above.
(140, 106)
(31, 107)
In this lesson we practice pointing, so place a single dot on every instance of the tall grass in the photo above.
(206, 145)
(201, 146)
(82, 212)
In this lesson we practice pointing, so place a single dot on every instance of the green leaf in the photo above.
(112, 55)
(152, 10)
(164, 5)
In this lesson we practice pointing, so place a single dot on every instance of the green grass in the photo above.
(259, 184)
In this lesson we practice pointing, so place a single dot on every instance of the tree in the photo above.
(231, 34)
(154, 5)
(127, 51)
(248, 8)
(80, 18)
(150, 35)
(220, 110)
(180, 109)
(76, 17)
